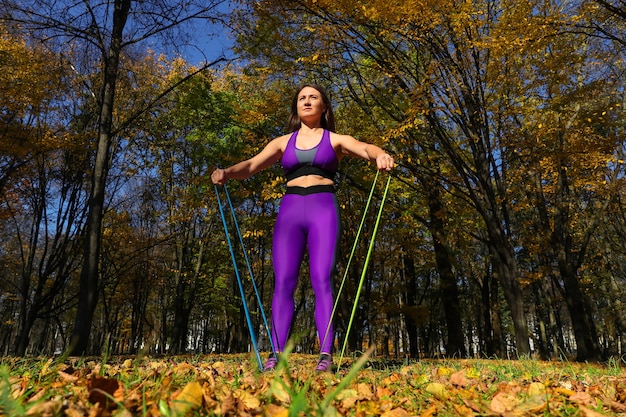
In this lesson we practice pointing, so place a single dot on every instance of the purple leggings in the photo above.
(304, 220)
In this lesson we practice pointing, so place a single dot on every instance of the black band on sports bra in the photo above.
(314, 189)
(309, 170)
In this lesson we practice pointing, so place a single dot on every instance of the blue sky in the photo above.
(210, 41)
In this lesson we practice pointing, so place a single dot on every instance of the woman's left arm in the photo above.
(353, 147)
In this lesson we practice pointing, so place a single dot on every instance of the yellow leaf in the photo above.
(564, 391)
(273, 410)
(347, 393)
(438, 390)
(422, 379)
(396, 412)
(280, 393)
(533, 405)
(536, 388)
(444, 371)
(44, 368)
(248, 400)
(189, 399)
(473, 373)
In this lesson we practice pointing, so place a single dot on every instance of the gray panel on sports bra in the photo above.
(306, 156)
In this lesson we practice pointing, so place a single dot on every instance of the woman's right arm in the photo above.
(244, 169)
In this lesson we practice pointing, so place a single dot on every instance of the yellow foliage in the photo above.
(31, 79)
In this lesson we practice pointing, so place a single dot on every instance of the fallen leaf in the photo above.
(229, 406)
(396, 412)
(430, 411)
(104, 392)
(564, 391)
(473, 373)
(247, 399)
(190, 398)
(582, 398)
(44, 369)
(463, 410)
(68, 378)
(459, 379)
(536, 388)
(278, 390)
(392, 378)
(184, 369)
(122, 413)
(503, 402)
(347, 393)
(383, 392)
(348, 398)
(444, 371)
(331, 412)
(533, 404)
(421, 379)
(45, 409)
(273, 410)
(615, 406)
(368, 408)
(438, 390)
(364, 390)
(590, 413)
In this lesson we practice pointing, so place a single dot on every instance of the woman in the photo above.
(308, 214)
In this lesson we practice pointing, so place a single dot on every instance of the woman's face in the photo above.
(310, 104)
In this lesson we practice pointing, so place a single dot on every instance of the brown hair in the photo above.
(328, 119)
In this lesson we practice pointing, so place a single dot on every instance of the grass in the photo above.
(216, 385)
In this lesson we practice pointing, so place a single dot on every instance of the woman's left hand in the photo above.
(384, 162)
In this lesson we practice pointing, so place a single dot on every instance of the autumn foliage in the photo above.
(224, 385)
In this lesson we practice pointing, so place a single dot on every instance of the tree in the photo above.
(25, 65)
(566, 175)
(42, 183)
(109, 30)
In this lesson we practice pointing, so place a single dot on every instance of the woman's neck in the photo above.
(310, 128)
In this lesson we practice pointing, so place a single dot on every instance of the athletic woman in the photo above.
(308, 217)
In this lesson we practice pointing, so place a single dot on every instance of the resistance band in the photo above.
(367, 259)
(347, 268)
(245, 254)
(239, 283)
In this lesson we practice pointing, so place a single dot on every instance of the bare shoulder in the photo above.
(279, 143)
(339, 139)
(343, 143)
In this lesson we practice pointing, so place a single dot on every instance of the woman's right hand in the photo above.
(219, 176)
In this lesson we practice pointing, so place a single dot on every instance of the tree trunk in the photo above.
(507, 277)
(88, 293)
(587, 347)
(542, 317)
(569, 260)
(411, 301)
(181, 326)
(455, 346)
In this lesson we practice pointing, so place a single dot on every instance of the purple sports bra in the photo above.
(319, 160)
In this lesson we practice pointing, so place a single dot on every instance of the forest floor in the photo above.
(231, 385)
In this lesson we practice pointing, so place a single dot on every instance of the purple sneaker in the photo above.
(271, 363)
(324, 363)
